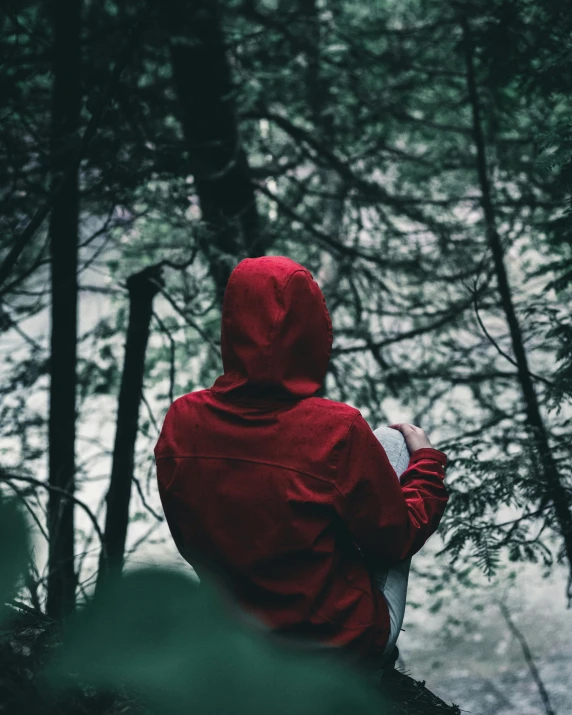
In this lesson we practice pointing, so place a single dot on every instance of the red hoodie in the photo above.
(273, 488)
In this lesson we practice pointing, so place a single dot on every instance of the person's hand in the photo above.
(415, 437)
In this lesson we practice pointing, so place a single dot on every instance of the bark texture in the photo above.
(218, 162)
(63, 230)
(142, 287)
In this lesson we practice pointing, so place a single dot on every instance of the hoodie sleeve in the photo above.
(387, 519)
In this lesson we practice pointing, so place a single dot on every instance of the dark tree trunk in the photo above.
(554, 488)
(218, 162)
(64, 221)
(143, 287)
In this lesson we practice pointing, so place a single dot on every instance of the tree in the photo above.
(554, 488)
(216, 156)
(63, 233)
(143, 287)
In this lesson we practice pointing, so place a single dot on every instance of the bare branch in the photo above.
(4, 476)
(90, 131)
(158, 517)
(529, 660)
(166, 332)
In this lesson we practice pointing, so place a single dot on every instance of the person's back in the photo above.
(284, 495)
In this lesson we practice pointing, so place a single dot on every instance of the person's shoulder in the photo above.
(337, 410)
(187, 400)
(195, 396)
(356, 425)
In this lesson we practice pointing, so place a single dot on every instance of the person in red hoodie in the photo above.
(287, 497)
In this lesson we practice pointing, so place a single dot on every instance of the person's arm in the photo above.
(389, 521)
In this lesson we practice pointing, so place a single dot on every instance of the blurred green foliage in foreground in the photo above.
(178, 649)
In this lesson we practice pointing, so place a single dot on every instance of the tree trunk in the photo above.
(218, 162)
(143, 287)
(63, 230)
(555, 490)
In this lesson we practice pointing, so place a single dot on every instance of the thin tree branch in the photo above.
(499, 349)
(188, 320)
(34, 611)
(90, 131)
(166, 332)
(4, 476)
(447, 318)
(141, 539)
(150, 413)
(29, 508)
(529, 660)
(142, 497)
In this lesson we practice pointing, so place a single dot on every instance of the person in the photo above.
(290, 499)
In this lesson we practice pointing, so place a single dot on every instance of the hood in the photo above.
(276, 333)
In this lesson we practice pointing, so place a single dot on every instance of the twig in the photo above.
(213, 344)
(454, 314)
(166, 331)
(90, 131)
(28, 609)
(87, 542)
(141, 496)
(498, 347)
(29, 508)
(12, 324)
(4, 476)
(150, 412)
(529, 660)
(141, 540)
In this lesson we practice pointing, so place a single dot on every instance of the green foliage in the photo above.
(562, 386)
(473, 530)
(176, 645)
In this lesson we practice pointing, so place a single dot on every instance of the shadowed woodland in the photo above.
(416, 156)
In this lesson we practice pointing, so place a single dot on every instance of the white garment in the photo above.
(393, 582)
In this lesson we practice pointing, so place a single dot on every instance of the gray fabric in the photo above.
(395, 447)
(393, 582)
